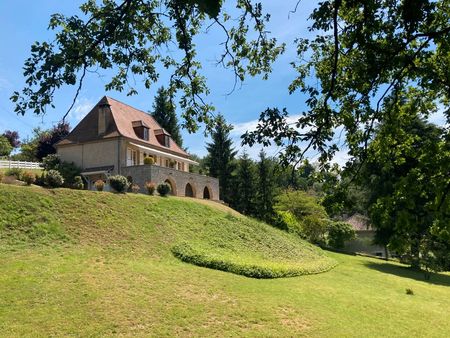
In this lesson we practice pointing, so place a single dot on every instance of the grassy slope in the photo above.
(90, 278)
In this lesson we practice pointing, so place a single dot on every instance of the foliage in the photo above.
(5, 146)
(310, 216)
(54, 179)
(408, 172)
(149, 161)
(133, 39)
(265, 190)
(99, 185)
(78, 183)
(339, 233)
(28, 177)
(119, 183)
(163, 189)
(135, 188)
(151, 187)
(1, 176)
(241, 265)
(68, 170)
(15, 172)
(164, 113)
(220, 159)
(48, 139)
(244, 192)
(13, 138)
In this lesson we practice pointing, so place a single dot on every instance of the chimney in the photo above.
(103, 116)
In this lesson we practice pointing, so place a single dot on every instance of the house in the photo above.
(365, 234)
(115, 138)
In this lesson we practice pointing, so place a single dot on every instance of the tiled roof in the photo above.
(121, 124)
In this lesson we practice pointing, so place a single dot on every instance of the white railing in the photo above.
(19, 164)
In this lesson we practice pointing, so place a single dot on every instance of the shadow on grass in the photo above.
(406, 272)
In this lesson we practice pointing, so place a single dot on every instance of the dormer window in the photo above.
(163, 137)
(141, 129)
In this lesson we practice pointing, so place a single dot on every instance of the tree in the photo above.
(5, 146)
(245, 192)
(164, 113)
(48, 139)
(220, 160)
(408, 170)
(13, 138)
(265, 191)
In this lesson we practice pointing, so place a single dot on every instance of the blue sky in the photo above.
(24, 22)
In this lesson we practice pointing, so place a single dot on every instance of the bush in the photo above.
(1, 176)
(163, 189)
(51, 162)
(40, 180)
(54, 179)
(99, 185)
(135, 188)
(149, 160)
(16, 172)
(338, 233)
(119, 183)
(78, 183)
(151, 187)
(28, 177)
(69, 171)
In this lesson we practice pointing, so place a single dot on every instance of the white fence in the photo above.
(19, 164)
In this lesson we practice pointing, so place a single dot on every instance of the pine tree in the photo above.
(266, 188)
(220, 159)
(164, 113)
(244, 200)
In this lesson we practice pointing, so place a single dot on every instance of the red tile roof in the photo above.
(121, 124)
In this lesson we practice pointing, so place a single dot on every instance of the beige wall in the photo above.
(94, 154)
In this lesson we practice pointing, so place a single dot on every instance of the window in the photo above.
(146, 134)
(132, 157)
(166, 141)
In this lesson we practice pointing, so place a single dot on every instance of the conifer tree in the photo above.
(164, 113)
(266, 187)
(244, 200)
(220, 159)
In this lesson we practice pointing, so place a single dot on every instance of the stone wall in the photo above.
(200, 185)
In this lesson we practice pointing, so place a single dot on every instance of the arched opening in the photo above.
(189, 191)
(206, 194)
(173, 186)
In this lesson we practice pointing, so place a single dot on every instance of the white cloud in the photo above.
(81, 108)
(241, 127)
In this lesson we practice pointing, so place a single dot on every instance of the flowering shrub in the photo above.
(54, 179)
(99, 185)
(78, 183)
(119, 183)
(28, 177)
(135, 188)
(151, 187)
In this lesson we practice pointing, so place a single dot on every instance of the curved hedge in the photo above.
(249, 264)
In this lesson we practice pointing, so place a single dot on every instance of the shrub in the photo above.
(338, 233)
(51, 162)
(16, 172)
(409, 292)
(149, 160)
(119, 183)
(28, 177)
(40, 180)
(54, 179)
(99, 185)
(1, 176)
(78, 183)
(163, 189)
(135, 188)
(151, 187)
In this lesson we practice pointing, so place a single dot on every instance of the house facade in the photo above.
(115, 138)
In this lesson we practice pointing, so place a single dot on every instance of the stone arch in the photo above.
(207, 193)
(173, 186)
(189, 190)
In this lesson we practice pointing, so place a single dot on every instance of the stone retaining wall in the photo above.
(200, 185)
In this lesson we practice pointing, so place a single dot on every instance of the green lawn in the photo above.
(98, 264)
